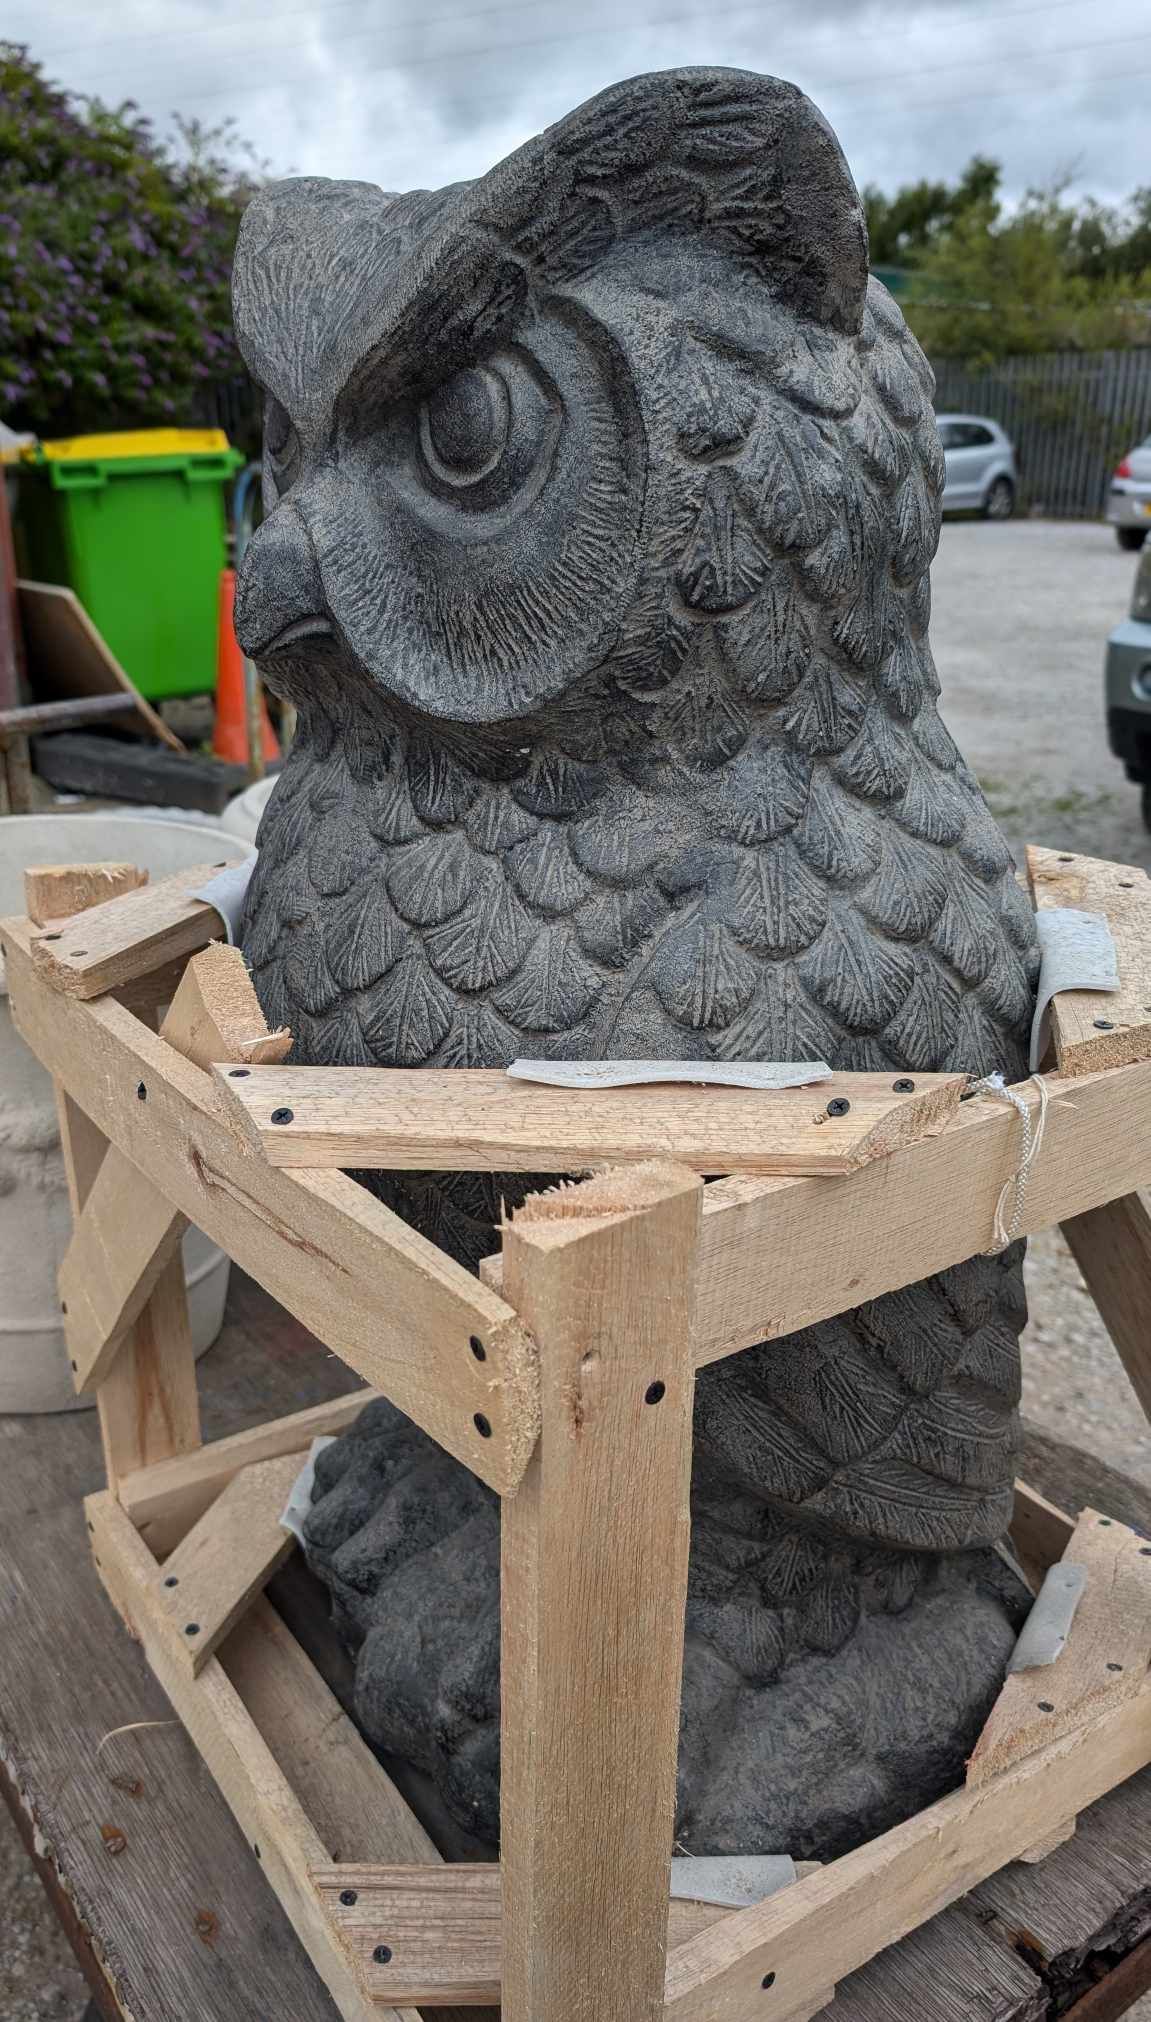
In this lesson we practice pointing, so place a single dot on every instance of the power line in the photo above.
(883, 80)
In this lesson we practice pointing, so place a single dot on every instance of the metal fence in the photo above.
(1070, 414)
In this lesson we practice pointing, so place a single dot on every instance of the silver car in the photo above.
(1129, 497)
(980, 464)
(1127, 686)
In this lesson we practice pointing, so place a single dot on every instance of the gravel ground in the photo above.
(1021, 614)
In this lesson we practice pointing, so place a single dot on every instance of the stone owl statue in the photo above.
(600, 499)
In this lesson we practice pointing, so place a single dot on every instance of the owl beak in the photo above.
(279, 597)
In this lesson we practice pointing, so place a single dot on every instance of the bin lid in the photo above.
(134, 442)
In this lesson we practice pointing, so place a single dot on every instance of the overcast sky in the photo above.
(420, 92)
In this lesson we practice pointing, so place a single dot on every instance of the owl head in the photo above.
(625, 400)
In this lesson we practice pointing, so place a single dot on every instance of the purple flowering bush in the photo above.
(115, 259)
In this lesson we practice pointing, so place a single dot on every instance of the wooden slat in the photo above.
(216, 1015)
(124, 1238)
(55, 891)
(1104, 1660)
(349, 1799)
(443, 1928)
(1093, 1029)
(68, 656)
(593, 1589)
(1112, 1247)
(387, 1301)
(483, 1120)
(250, 1779)
(165, 1500)
(148, 1402)
(777, 1254)
(831, 1923)
(228, 1557)
(1040, 1533)
(111, 944)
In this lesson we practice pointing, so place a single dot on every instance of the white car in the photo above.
(980, 463)
(1129, 497)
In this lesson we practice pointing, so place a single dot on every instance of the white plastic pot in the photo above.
(35, 1219)
(242, 815)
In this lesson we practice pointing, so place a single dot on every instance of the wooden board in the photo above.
(125, 1236)
(1112, 1247)
(884, 1889)
(395, 1308)
(442, 1926)
(1040, 1533)
(482, 1120)
(111, 944)
(1092, 1029)
(216, 1015)
(164, 1501)
(593, 1590)
(228, 1557)
(55, 891)
(779, 1254)
(67, 656)
(1105, 1659)
(115, 768)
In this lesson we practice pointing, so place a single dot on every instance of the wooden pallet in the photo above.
(563, 1378)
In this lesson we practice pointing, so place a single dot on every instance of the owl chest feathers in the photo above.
(429, 916)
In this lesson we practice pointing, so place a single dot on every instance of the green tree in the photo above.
(903, 228)
(115, 258)
(995, 286)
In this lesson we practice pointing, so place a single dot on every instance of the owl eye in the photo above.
(464, 426)
(486, 434)
(281, 444)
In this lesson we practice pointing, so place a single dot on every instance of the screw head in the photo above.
(1114, 1667)
(348, 1897)
(838, 1106)
(768, 1980)
(238, 1073)
(191, 1628)
(283, 1115)
(382, 1954)
(477, 1348)
(482, 1425)
(141, 1092)
(654, 1393)
(904, 1086)
(1045, 1705)
(173, 1580)
(1103, 1025)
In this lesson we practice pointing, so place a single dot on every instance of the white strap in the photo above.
(1015, 1185)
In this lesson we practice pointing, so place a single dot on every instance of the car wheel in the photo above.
(1000, 501)
(1131, 537)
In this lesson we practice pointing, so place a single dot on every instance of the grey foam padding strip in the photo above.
(1048, 1626)
(733, 1880)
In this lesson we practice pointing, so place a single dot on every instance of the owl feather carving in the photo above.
(601, 496)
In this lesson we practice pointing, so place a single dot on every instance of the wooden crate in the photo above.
(563, 1378)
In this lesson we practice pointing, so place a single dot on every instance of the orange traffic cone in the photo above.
(230, 736)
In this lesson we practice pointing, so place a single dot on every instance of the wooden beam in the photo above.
(833, 1922)
(56, 891)
(398, 1310)
(165, 1500)
(215, 1014)
(442, 1928)
(1103, 1661)
(1094, 1029)
(270, 1815)
(593, 1589)
(148, 1402)
(111, 944)
(1040, 1533)
(1112, 1247)
(350, 1801)
(127, 1231)
(778, 1254)
(483, 1120)
(228, 1557)
(124, 1238)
